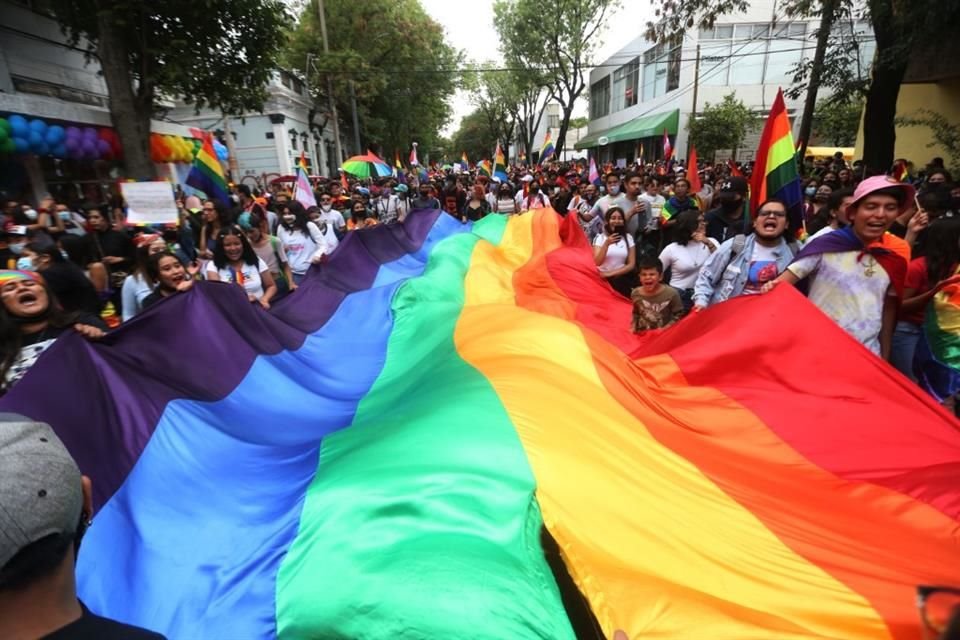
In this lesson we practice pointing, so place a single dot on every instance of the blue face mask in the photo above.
(613, 189)
(17, 247)
(810, 191)
(24, 264)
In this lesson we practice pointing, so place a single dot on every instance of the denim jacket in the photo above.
(722, 278)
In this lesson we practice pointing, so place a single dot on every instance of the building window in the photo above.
(661, 70)
(600, 98)
(553, 121)
(626, 80)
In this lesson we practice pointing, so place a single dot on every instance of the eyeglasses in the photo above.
(937, 606)
(772, 214)
(209, 209)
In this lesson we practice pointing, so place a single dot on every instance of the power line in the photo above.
(467, 70)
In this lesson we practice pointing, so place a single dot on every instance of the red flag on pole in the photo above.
(693, 174)
(734, 171)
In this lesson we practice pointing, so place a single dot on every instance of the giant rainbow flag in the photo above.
(449, 431)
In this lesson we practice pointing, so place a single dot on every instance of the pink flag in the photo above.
(594, 176)
(303, 192)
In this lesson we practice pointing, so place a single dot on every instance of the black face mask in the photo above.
(534, 188)
(730, 205)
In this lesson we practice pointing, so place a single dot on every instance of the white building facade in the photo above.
(43, 77)
(268, 145)
(648, 88)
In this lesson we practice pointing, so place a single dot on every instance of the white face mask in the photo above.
(289, 218)
(326, 207)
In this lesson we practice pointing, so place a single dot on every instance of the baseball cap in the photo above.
(734, 184)
(40, 490)
(876, 183)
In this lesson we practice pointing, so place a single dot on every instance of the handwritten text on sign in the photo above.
(149, 202)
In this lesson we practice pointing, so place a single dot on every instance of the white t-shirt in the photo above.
(685, 261)
(301, 248)
(332, 217)
(248, 276)
(617, 254)
(655, 204)
(849, 288)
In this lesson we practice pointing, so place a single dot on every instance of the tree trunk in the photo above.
(879, 130)
(816, 71)
(130, 116)
(564, 125)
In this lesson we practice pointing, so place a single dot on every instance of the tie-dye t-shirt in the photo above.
(850, 287)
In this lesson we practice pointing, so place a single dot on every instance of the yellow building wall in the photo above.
(942, 97)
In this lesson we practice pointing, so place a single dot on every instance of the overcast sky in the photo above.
(469, 26)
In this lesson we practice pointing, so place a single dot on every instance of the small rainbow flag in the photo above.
(302, 191)
(485, 168)
(594, 176)
(523, 157)
(546, 151)
(464, 162)
(775, 172)
(937, 359)
(667, 147)
(499, 165)
(206, 175)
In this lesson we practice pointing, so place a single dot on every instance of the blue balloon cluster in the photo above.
(36, 136)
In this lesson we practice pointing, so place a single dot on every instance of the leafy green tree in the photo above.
(217, 53)
(945, 133)
(837, 120)
(475, 136)
(402, 69)
(720, 126)
(577, 123)
(558, 39)
(495, 96)
(899, 26)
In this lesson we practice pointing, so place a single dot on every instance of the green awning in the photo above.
(590, 140)
(646, 126)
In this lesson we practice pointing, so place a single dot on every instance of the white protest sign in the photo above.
(149, 202)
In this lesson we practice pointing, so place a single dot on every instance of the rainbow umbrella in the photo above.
(367, 166)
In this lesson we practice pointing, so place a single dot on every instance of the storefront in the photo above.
(641, 137)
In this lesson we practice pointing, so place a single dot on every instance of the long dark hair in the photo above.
(224, 216)
(46, 248)
(79, 249)
(220, 255)
(300, 224)
(608, 215)
(11, 332)
(687, 224)
(942, 248)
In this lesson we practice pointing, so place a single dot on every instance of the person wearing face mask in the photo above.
(403, 202)
(387, 206)
(65, 280)
(613, 198)
(728, 219)
(534, 199)
(505, 202)
(614, 252)
(329, 215)
(424, 199)
(303, 241)
(31, 320)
